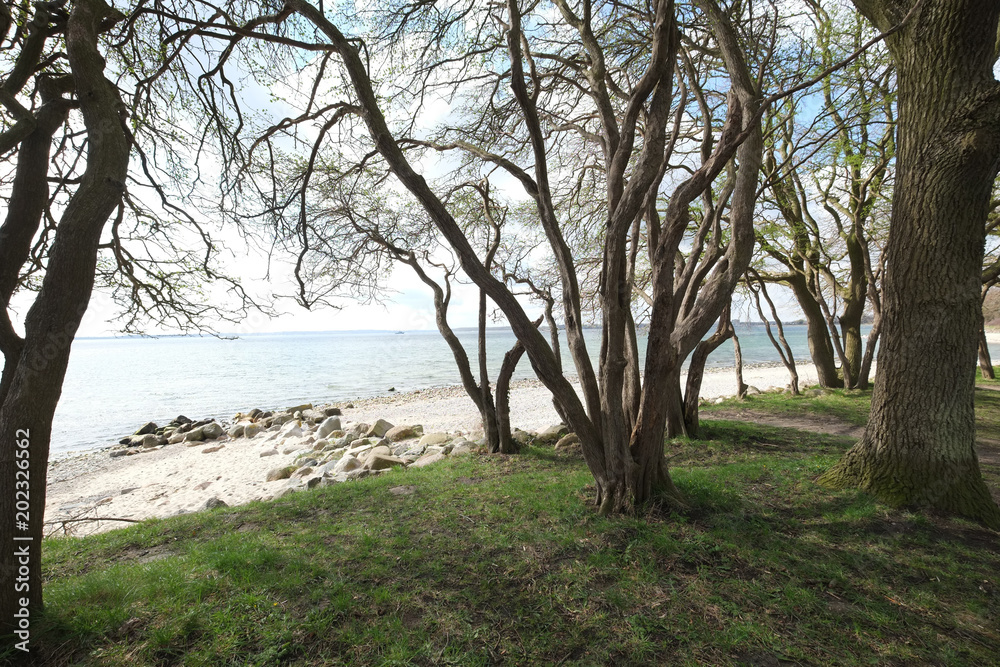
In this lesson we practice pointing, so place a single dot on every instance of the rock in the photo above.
(179, 420)
(195, 435)
(357, 430)
(553, 433)
(214, 448)
(148, 427)
(152, 440)
(115, 453)
(269, 452)
(346, 464)
(299, 408)
(753, 391)
(329, 425)
(523, 438)
(214, 502)
(203, 486)
(461, 450)
(256, 412)
(402, 432)
(568, 440)
(428, 459)
(250, 430)
(402, 490)
(358, 473)
(236, 431)
(320, 445)
(304, 471)
(288, 490)
(313, 482)
(720, 400)
(381, 450)
(360, 449)
(383, 462)
(212, 430)
(284, 472)
(378, 429)
(434, 439)
(332, 412)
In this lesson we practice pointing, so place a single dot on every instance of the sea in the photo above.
(115, 385)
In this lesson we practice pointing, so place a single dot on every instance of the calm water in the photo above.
(114, 385)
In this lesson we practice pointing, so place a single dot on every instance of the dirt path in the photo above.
(987, 449)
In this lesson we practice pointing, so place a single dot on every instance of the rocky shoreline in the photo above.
(312, 446)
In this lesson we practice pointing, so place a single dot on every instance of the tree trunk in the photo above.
(820, 345)
(741, 386)
(36, 378)
(985, 363)
(506, 444)
(696, 370)
(919, 447)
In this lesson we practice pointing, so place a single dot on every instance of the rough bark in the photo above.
(51, 322)
(820, 343)
(918, 448)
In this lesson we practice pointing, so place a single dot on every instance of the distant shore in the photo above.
(178, 478)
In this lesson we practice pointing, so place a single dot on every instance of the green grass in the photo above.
(503, 560)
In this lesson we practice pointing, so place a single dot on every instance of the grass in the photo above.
(494, 560)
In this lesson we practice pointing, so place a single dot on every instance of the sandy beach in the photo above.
(180, 478)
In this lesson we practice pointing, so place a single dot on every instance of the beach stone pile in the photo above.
(329, 451)
(150, 436)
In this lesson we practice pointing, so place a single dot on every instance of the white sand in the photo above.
(178, 478)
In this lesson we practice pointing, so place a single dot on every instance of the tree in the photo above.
(918, 449)
(71, 134)
(827, 175)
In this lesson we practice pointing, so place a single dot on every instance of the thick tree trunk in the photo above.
(506, 443)
(919, 447)
(820, 343)
(51, 322)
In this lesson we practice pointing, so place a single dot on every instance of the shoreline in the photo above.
(183, 477)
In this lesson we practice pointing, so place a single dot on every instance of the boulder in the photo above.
(195, 435)
(346, 464)
(148, 427)
(329, 425)
(302, 472)
(402, 432)
(378, 429)
(250, 430)
(383, 462)
(434, 439)
(428, 459)
(212, 430)
(553, 433)
(152, 440)
(284, 472)
(214, 502)
(358, 430)
(256, 412)
(570, 440)
(523, 438)
(320, 445)
(331, 411)
(358, 473)
(236, 430)
(269, 452)
(463, 449)
(313, 481)
(299, 408)
(175, 438)
(381, 450)
(360, 449)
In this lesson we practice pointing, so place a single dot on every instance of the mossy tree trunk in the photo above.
(918, 448)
